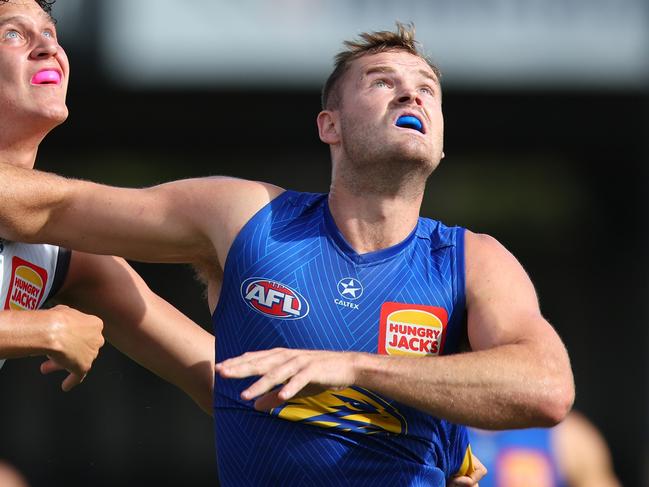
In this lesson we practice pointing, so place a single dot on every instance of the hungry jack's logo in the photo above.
(27, 285)
(412, 329)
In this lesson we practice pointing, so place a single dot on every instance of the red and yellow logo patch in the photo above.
(27, 285)
(412, 329)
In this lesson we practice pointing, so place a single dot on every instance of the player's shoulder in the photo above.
(480, 246)
(230, 186)
(487, 261)
(220, 197)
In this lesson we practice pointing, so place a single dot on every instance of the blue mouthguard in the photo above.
(408, 121)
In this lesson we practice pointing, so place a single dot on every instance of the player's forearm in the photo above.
(173, 347)
(505, 387)
(27, 333)
(142, 325)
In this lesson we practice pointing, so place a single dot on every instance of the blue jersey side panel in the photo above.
(517, 457)
(292, 281)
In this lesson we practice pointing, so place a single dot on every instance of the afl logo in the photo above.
(274, 299)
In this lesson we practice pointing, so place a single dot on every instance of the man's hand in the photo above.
(472, 478)
(302, 373)
(74, 343)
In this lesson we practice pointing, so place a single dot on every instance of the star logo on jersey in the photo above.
(350, 288)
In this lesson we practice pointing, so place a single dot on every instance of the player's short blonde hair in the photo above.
(370, 43)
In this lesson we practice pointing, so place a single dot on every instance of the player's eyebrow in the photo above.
(430, 76)
(21, 19)
(389, 69)
(379, 69)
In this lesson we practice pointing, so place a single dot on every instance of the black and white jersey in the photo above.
(30, 274)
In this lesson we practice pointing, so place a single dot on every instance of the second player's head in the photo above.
(33, 70)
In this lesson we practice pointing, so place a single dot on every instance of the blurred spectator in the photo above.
(572, 454)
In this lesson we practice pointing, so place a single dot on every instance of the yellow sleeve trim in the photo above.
(467, 467)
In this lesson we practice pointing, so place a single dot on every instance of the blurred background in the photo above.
(547, 124)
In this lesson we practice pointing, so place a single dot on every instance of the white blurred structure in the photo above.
(477, 43)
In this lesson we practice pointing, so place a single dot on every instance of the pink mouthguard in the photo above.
(47, 76)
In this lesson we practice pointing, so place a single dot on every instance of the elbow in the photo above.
(557, 400)
(558, 408)
(205, 401)
(206, 405)
(204, 393)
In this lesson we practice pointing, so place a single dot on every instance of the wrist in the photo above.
(51, 342)
(364, 367)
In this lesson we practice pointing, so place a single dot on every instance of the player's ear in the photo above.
(328, 127)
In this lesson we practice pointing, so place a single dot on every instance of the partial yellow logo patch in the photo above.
(352, 409)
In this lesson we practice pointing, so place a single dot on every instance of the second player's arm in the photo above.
(192, 220)
(142, 325)
(583, 456)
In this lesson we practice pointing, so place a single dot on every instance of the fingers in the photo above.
(274, 367)
(462, 482)
(296, 372)
(288, 373)
(50, 366)
(71, 381)
(268, 401)
(252, 363)
(471, 480)
(479, 470)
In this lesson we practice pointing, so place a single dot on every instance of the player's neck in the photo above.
(373, 222)
(18, 153)
(20, 137)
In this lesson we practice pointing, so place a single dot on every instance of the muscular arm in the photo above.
(69, 338)
(517, 375)
(582, 454)
(142, 325)
(192, 220)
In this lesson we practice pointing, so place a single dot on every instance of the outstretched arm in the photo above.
(192, 220)
(69, 338)
(142, 325)
(518, 374)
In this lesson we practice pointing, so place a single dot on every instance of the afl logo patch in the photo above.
(274, 299)
(26, 286)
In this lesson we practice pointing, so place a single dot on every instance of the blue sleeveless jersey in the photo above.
(517, 458)
(291, 280)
